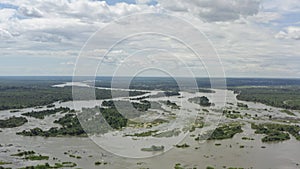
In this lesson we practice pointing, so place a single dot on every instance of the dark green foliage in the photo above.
(232, 114)
(24, 153)
(242, 105)
(48, 166)
(43, 113)
(226, 131)
(202, 101)
(288, 112)
(182, 145)
(206, 91)
(171, 93)
(17, 94)
(288, 97)
(143, 106)
(154, 148)
(36, 157)
(109, 103)
(143, 134)
(178, 166)
(30, 155)
(114, 118)
(13, 122)
(70, 127)
(172, 104)
(276, 132)
(4, 163)
(209, 167)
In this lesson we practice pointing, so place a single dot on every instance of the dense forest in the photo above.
(284, 97)
(17, 94)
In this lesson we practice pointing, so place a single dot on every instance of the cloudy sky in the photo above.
(253, 38)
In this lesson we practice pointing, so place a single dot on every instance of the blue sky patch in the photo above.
(9, 6)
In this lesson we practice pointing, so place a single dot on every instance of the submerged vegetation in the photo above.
(232, 114)
(154, 148)
(48, 166)
(276, 132)
(30, 155)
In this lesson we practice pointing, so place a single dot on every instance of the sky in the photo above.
(250, 38)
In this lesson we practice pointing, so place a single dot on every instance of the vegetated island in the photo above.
(13, 122)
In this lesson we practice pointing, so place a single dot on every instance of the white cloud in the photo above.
(30, 11)
(265, 17)
(291, 32)
(214, 10)
(244, 33)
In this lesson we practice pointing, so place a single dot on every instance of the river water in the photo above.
(115, 149)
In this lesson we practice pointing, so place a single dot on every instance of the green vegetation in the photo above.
(226, 131)
(169, 133)
(242, 105)
(197, 124)
(23, 93)
(178, 166)
(171, 93)
(13, 122)
(143, 106)
(4, 163)
(99, 163)
(154, 148)
(182, 145)
(232, 114)
(288, 112)
(247, 138)
(70, 127)
(143, 134)
(114, 118)
(202, 90)
(48, 166)
(172, 105)
(276, 132)
(43, 113)
(30, 155)
(202, 101)
(24, 153)
(36, 157)
(284, 97)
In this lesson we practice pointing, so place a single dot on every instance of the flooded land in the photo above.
(206, 128)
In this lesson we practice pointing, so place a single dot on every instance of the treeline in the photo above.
(288, 97)
(43, 113)
(18, 95)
